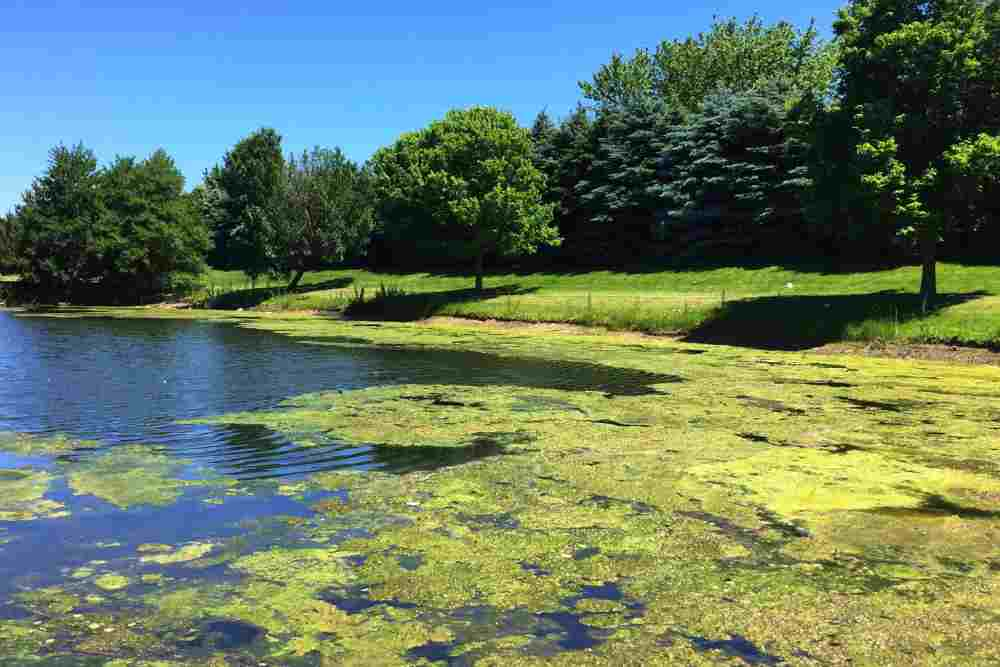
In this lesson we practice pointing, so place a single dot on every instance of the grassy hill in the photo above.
(768, 306)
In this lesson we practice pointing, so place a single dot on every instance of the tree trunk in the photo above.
(295, 279)
(480, 256)
(928, 277)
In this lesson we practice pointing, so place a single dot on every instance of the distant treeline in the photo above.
(880, 146)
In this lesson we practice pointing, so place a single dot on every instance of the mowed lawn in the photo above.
(783, 306)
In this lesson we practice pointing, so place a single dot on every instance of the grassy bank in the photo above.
(770, 306)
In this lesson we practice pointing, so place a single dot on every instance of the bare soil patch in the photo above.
(921, 352)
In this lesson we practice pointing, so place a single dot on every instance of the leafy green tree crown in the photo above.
(469, 177)
(733, 56)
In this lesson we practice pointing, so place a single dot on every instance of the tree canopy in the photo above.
(157, 228)
(9, 256)
(245, 188)
(323, 213)
(731, 168)
(64, 238)
(880, 145)
(919, 78)
(468, 178)
(127, 226)
(738, 57)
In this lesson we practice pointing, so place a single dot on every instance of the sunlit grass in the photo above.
(788, 303)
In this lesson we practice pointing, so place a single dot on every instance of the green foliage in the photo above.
(128, 228)
(9, 254)
(63, 226)
(972, 170)
(917, 77)
(730, 56)
(842, 217)
(565, 155)
(619, 189)
(157, 229)
(732, 168)
(468, 179)
(323, 214)
(242, 195)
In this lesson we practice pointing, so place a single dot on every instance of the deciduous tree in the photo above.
(920, 78)
(156, 228)
(324, 213)
(469, 178)
(733, 56)
(247, 183)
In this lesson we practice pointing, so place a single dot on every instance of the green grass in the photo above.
(770, 306)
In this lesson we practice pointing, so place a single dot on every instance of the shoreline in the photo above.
(933, 352)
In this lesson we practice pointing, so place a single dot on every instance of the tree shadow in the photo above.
(253, 297)
(822, 265)
(936, 505)
(399, 306)
(802, 322)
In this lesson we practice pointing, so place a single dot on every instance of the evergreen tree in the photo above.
(732, 171)
(65, 236)
(542, 129)
(565, 158)
(619, 190)
(9, 255)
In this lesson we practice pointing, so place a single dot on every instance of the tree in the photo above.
(64, 233)
(542, 129)
(971, 179)
(732, 170)
(157, 230)
(565, 157)
(246, 188)
(618, 189)
(128, 227)
(469, 178)
(730, 56)
(919, 77)
(324, 213)
(9, 255)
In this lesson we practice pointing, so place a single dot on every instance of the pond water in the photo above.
(125, 473)
(120, 381)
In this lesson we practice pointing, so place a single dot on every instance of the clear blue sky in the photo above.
(194, 77)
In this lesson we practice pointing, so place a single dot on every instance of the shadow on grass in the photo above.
(528, 268)
(802, 322)
(401, 307)
(251, 298)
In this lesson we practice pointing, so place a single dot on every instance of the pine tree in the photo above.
(733, 173)
(565, 156)
(619, 189)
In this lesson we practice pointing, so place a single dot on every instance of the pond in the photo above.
(100, 412)
(215, 489)
(120, 381)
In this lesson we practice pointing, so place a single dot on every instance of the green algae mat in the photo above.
(639, 502)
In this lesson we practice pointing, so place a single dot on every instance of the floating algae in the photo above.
(22, 494)
(131, 475)
(744, 522)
